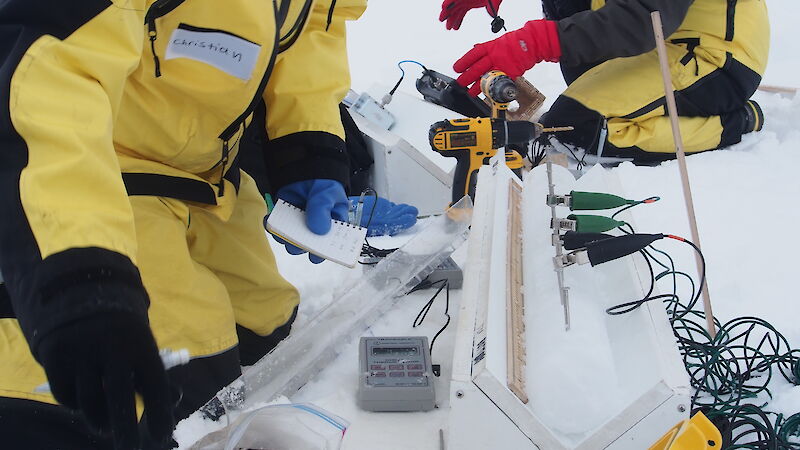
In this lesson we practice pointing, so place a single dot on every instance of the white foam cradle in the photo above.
(613, 382)
(406, 169)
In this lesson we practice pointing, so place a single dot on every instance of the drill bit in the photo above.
(556, 129)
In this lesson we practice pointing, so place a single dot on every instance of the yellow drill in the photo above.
(500, 90)
(473, 141)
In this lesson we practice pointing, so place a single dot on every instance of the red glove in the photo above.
(453, 11)
(514, 53)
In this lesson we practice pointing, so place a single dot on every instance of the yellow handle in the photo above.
(697, 433)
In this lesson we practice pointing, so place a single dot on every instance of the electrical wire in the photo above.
(403, 73)
(444, 285)
(580, 162)
(367, 250)
(539, 152)
(646, 201)
(668, 269)
(627, 307)
(730, 374)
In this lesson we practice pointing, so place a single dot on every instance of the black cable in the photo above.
(367, 250)
(791, 427)
(580, 163)
(370, 191)
(732, 371)
(427, 307)
(648, 200)
(627, 307)
(538, 151)
(424, 311)
(668, 269)
(424, 284)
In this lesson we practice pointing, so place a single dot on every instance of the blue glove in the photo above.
(322, 200)
(387, 218)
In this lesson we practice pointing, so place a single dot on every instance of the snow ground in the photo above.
(744, 197)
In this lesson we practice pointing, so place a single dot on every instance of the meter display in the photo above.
(395, 351)
(395, 374)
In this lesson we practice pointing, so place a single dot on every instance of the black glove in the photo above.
(97, 363)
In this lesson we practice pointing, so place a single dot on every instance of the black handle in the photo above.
(611, 249)
(461, 177)
(573, 240)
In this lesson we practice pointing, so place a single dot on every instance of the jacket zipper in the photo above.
(240, 121)
(730, 19)
(158, 9)
(225, 154)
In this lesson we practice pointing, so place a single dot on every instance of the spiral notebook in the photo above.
(341, 245)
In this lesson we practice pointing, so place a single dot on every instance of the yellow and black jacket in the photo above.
(716, 51)
(593, 31)
(105, 99)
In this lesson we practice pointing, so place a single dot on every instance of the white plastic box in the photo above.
(406, 169)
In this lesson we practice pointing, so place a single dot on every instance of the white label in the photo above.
(231, 54)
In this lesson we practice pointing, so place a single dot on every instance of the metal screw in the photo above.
(681, 408)
(459, 394)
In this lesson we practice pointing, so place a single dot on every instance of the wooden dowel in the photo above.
(777, 89)
(676, 135)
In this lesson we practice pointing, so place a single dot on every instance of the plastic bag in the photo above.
(295, 426)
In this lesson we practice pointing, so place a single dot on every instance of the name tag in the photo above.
(226, 52)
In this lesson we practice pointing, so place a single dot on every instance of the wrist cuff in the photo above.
(74, 284)
(544, 33)
(304, 156)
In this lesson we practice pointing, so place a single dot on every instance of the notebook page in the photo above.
(341, 245)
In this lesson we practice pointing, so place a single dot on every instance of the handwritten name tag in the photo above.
(226, 52)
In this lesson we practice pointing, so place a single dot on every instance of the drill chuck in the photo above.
(516, 131)
(503, 90)
(498, 87)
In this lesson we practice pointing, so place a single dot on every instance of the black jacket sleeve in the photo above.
(304, 156)
(618, 29)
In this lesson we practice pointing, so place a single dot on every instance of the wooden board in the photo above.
(515, 301)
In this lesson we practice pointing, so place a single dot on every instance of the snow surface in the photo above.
(744, 197)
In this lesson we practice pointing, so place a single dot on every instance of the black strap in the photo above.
(168, 186)
(6, 311)
(691, 44)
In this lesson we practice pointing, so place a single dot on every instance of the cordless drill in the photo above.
(500, 90)
(473, 141)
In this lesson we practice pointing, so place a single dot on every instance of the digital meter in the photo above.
(395, 374)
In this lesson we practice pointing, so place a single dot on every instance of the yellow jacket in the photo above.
(160, 92)
(720, 29)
